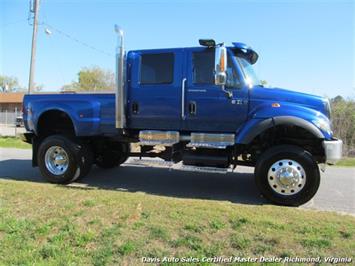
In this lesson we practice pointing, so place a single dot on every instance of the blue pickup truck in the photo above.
(201, 107)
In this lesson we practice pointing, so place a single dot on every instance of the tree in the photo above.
(263, 82)
(92, 79)
(8, 84)
(343, 122)
(37, 87)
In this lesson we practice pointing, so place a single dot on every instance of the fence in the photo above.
(8, 126)
(8, 118)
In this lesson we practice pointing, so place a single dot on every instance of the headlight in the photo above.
(323, 124)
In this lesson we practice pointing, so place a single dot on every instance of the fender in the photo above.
(255, 126)
(90, 122)
(56, 108)
(263, 116)
(252, 129)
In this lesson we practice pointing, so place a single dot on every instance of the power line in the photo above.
(67, 35)
(76, 40)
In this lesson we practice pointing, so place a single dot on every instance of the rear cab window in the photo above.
(156, 68)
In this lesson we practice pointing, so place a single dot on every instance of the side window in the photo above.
(157, 68)
(203, 67)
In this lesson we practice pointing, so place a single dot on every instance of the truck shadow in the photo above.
(233, 187)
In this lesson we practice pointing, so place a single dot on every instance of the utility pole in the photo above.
(35, 10)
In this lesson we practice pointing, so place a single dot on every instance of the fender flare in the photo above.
(252, 129)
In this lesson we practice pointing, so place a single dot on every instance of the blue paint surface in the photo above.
(160, 105)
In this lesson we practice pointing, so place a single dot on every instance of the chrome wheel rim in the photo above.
(57, 161)
(286, 177)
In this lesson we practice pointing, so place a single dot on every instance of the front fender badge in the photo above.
(275, 105)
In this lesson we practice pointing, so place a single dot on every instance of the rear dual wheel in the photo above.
(113, 157)
(63, 160)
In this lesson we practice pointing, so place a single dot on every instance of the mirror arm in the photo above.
(229, 93)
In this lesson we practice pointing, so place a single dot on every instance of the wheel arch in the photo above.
(256, 127)
(54, 121)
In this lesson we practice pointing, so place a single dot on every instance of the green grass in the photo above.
(346, 162)
(45, 224)
(13, 142)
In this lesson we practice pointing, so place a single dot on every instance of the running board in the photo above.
(148, 163)
(177, 167)
(201, 169)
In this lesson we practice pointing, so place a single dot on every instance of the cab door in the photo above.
(154, 89)
(208, 108)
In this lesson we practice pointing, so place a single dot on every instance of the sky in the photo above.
(306, 46)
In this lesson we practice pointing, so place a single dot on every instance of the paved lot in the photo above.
(336, 193)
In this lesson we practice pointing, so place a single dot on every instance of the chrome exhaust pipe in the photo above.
(120, 99)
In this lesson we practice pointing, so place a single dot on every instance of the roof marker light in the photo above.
(207, 42)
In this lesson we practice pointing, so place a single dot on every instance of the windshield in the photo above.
(248, 70)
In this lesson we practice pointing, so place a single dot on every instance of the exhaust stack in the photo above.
(120, 99)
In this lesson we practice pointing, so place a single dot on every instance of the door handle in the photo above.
(135, 108)
(183, 98)
(192, 108)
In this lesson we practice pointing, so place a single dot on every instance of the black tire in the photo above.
(296, 154)
(87, 159)
(113, 158)
(72, 150)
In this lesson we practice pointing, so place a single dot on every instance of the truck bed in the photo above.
(92, 114)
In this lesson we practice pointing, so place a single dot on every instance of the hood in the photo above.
(318, 103)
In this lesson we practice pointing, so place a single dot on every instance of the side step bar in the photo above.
(178, 167)
(201, 169)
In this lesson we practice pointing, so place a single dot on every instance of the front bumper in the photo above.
(333, 150)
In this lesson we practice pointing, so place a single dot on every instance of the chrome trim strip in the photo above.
(183, 98)
(209, 140)
(197, 90)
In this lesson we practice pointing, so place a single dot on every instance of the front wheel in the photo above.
(287, 175)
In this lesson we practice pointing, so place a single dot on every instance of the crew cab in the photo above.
(200, 107)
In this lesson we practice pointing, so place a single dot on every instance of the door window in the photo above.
(203, 69)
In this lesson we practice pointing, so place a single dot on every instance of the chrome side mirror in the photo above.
(220, 66)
